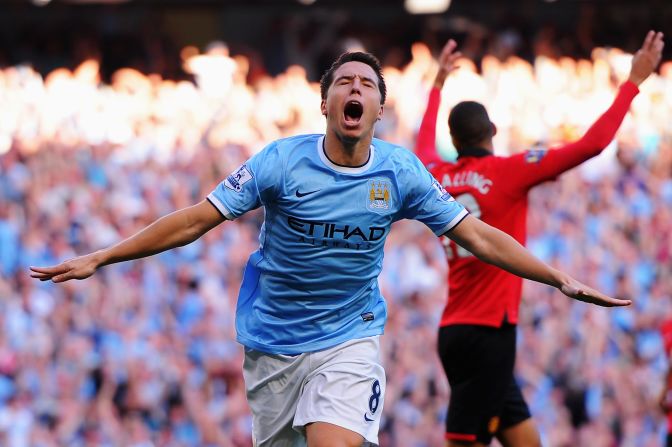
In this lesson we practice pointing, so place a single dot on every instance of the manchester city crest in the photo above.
(379, 195)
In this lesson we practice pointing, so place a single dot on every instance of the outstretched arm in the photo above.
(663, 400)
(498, 248)
(425, 147)
(174, 230)
(535, 168)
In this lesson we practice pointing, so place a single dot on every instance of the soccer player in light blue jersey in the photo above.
(310, 312)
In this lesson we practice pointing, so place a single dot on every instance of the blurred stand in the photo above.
(144, 354)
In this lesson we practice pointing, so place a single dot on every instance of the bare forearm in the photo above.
(498, 248)
(170, 231)
(440, 79)
(173, 230)
(505, 252)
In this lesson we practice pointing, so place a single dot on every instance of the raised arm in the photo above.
(538, 167)
(498, 248)
(174, 230)
(425, 147)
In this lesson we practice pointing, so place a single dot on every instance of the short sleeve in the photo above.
(255, 183)
(427, 201)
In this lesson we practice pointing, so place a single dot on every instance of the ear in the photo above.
(494, 129)
(323, 107)
(380, 113)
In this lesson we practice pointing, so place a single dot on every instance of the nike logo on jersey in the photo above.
(300, 194)
(366, 418)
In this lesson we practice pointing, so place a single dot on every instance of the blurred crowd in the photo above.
(144, 353)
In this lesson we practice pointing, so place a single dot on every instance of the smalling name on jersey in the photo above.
(468, 178)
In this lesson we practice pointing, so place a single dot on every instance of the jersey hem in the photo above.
(303, 348)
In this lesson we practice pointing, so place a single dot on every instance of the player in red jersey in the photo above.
(666, 396)
(477, 338)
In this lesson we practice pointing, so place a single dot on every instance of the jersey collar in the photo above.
(474, 152)
(344, 169)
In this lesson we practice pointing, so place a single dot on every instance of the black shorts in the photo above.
(485, 397)
(668, 440)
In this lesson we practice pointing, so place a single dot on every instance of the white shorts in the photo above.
(343, 385)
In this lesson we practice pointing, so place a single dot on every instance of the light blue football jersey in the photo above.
(313, 283)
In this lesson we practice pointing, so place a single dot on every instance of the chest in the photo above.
(359, 207)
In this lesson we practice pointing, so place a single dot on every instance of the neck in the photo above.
(345, 151)
(487, 145)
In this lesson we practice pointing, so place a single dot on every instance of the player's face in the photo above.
(352, 105)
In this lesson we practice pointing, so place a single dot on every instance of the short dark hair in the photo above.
(359, 56)
(469, 124)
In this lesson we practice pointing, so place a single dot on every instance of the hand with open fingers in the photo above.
(447, 62)
(646, 60)
(580, 292)
(77, 268)
(449, 57)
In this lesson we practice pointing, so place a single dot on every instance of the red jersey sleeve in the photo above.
(537, 166)
(666, 332)
(425, 147)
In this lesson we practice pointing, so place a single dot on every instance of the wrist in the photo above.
(100, 258)
(560, 279)
(440, 79)
(636, 80)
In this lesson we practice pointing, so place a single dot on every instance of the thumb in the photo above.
(571, 290)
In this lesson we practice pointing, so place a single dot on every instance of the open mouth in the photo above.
(353, 112)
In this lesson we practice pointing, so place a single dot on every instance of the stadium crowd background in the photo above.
(144, 353)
